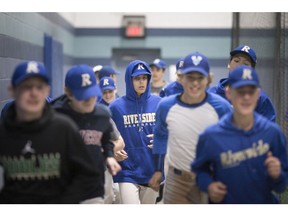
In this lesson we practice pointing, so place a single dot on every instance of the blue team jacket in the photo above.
(237, 160)
(264, 104)
(171, 88)
(135, 119)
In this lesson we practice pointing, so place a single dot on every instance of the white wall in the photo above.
(70, 17)
(153, 20)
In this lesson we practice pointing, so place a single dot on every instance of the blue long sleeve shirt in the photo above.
(236, 158)
(264, 105)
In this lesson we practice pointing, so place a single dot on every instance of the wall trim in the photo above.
(107, 61)
(150, 32)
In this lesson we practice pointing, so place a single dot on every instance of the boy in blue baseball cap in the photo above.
(44, 158)
(93, 121)
(180, 118)
(245, 55)
(19, 77)
(134, 115)
(81, 83)
(174, 87)
(242, 52)
(108, 88)
(158, 67)
(242, 158)
(108, 71)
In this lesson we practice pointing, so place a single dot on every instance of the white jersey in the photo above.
(178, 126)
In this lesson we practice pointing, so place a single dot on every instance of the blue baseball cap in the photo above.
(29, 69)
(179, 64)
(158, 63)
(242, 76)
(140, 69)
(196, 62)
(107, 83)
(246, 50)
(106, 71)
(81, 80)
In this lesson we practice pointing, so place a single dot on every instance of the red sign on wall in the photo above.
(134, 31)
(134, 26)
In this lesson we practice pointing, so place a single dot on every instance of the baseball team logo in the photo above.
(140, 67)
(196, 60)
(86, 80)
(245, 49)
(105, 82)
(32, 67)
(181, 63)
(246, 74)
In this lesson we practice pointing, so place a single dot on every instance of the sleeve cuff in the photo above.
(159, 162)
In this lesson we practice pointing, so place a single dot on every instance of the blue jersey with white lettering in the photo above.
(178, 126)
(236, 158)
(135, 119)
(264, 105)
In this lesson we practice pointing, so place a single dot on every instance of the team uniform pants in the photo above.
(131, 193)
(180, 188)
(111, 195)
(108, 188)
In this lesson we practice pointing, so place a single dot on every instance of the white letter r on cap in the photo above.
(106, 82)
(86, 80)
(245, 49)
(247, 74)
(32, 67)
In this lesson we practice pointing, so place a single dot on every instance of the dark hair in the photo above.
(253, 64)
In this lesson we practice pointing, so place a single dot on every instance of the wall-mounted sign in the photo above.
(134, 26)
